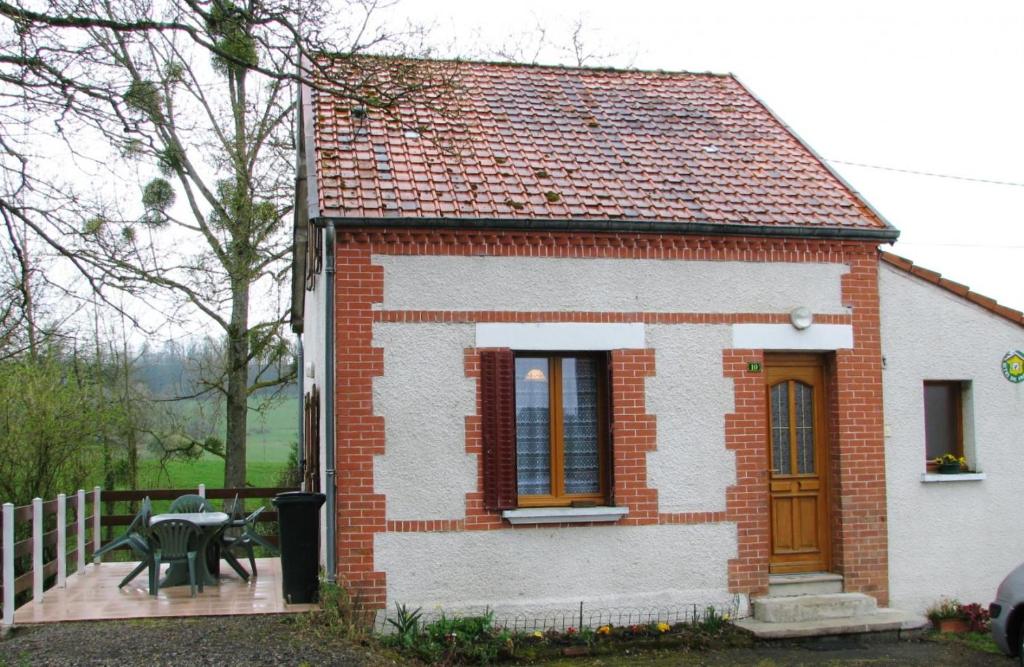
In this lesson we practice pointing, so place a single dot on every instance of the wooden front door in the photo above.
(798, 459)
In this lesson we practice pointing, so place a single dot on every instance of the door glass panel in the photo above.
(780, 429)
(533, 427)
(580, 425)
(803, 396)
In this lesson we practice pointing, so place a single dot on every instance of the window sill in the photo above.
(930, 478)
(564, 514)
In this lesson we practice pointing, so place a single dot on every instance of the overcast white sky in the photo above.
(925, 86)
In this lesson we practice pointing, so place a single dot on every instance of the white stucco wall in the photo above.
(541, 571)
(424, 397)
(610, 285)
(949, 539)
(314, 360)
(689, 397)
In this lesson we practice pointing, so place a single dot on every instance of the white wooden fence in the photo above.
(36, 513)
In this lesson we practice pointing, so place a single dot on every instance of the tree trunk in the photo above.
(238, 386)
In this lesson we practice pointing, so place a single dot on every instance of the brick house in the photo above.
(602, 336)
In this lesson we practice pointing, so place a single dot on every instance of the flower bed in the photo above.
(475, 639)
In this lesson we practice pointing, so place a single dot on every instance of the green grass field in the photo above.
(272, 435)
(188, 474)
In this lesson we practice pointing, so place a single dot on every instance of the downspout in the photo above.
(300, 381)
(329, 404)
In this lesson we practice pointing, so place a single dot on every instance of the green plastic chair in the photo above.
(245, 542)
(176, 541)
(232, 531)
(190, 503)
(136, 538)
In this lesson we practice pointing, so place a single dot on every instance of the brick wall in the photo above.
(858, 502)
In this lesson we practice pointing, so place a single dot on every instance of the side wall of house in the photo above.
(951, 537)
(689, 430)
(314, 371)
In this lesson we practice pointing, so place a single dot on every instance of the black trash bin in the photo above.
(298, 521)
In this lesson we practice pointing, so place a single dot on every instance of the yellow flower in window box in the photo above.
(948, 463)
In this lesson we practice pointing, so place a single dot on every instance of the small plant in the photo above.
(945, 608)
(977, 617)
(712, 621)
(450, 640)
(407, 625)
(949, 459)
(340, 613)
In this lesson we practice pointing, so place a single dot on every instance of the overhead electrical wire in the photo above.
(927, 173)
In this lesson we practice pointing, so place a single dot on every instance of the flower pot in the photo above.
(952, 625)
(949, 468)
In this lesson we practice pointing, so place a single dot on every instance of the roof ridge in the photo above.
(535, 65)
(961, 290)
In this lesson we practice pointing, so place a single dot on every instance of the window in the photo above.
(943, 419)
(559, 430)
(545, 429)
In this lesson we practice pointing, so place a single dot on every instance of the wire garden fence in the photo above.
(584, 617)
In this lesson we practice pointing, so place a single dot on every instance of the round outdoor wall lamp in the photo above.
(801, 317)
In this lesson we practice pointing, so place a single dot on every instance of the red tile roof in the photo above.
(934, 278)
(555, 143)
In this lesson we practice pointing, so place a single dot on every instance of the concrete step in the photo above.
(799, 608)
(881, 620)
(809, 583)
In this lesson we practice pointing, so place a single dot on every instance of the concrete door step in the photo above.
(794, 609)
(881, 620)
(806, 583)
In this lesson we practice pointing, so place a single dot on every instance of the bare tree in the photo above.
(571, 44)
(197, 98)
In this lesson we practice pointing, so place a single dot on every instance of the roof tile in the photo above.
(907, 266)
(612, 144)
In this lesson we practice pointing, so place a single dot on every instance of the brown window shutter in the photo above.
(497, 383)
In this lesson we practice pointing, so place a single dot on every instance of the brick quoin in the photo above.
(634, 434)
(360, 434)
(861, 515)
(858, 510)
(746, 434)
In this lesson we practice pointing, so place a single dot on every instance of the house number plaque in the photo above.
(754, 366)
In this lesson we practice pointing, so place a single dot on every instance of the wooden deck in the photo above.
(93, 595)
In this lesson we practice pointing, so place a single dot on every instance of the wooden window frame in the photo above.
(958, 414)
(558, 497)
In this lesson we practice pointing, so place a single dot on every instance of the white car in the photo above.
(1007, 612)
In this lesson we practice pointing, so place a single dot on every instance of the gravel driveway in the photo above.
(254, 641)
(231, 640)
